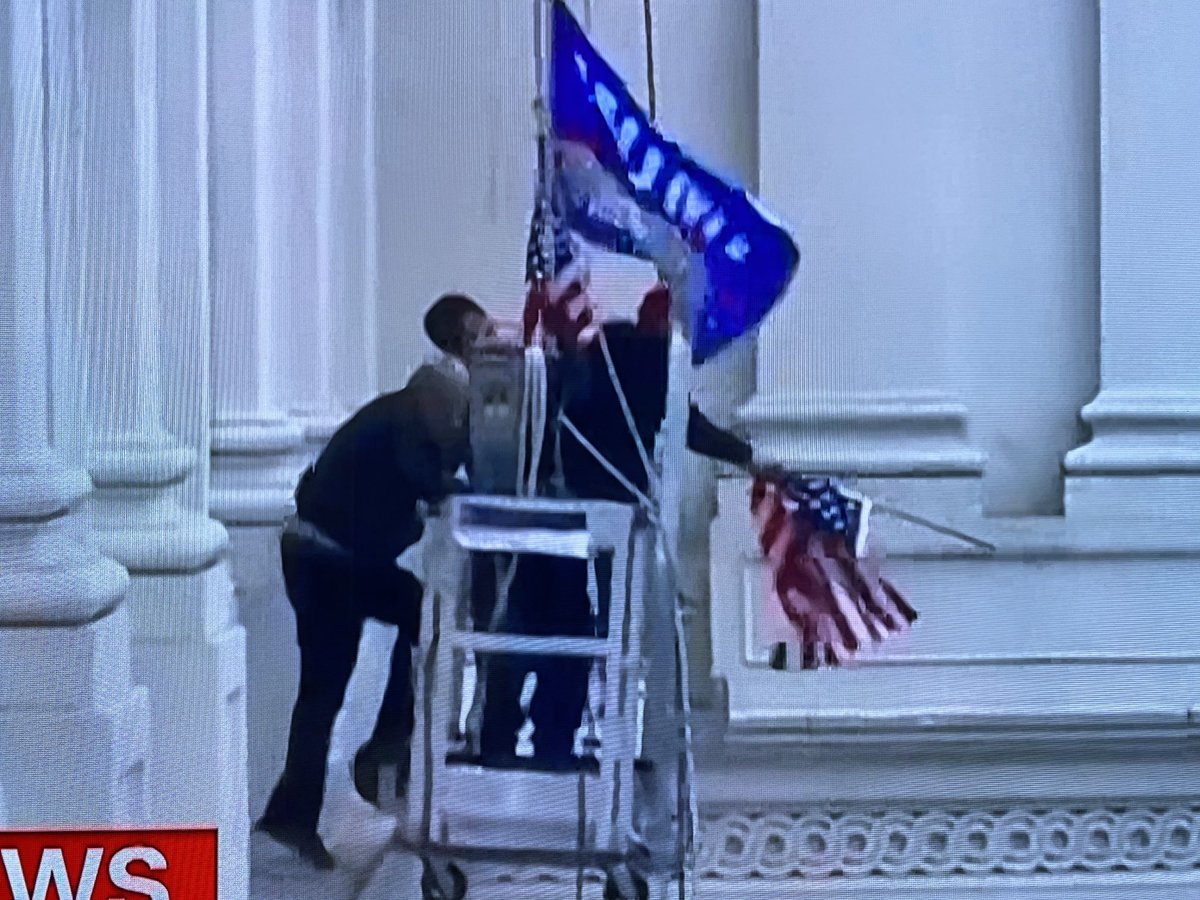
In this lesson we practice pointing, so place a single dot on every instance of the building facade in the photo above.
(220, 222)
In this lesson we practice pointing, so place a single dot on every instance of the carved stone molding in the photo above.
(1089, 848)
(849, 843)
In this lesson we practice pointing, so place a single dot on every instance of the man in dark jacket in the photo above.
(357, 509)
(548, 595)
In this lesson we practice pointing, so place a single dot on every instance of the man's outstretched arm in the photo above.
(708, 439)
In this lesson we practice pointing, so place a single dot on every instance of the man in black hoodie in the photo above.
(549, 595)
(358, 508)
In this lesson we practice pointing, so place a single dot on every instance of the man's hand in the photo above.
(770, 471)
(452, 484)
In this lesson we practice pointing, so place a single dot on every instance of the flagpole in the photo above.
(543, 43)
(650, 92)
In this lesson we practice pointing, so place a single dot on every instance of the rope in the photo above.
(649, 505)
(536, 385)
(539, 64)
(649, 27)
(651, 475)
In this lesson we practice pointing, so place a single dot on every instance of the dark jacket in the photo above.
(399, 449)
(641, 358)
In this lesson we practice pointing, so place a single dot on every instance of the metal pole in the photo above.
(543, 40)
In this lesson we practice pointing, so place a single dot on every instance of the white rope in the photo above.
(651, 475)
(536, 383)
(684, 698)
(650, 506)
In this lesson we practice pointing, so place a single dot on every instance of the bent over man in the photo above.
(357, 511)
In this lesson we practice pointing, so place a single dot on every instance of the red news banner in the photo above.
(151, 864)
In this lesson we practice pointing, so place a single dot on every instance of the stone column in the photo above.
(145, 252)
(252, 438)
(256, 446)
(191, 648)
(853, 366)
(347, 191)
(295, 158)
(1144, 455)
(707, 85)
(64, 634)
(347, 202)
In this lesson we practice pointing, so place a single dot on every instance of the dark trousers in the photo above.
(548, 597)
(332, 597)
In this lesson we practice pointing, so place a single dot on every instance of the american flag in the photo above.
(544, 240)
(557, 297)
(813, 534)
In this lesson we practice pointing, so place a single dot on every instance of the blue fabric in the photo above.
(749, 259)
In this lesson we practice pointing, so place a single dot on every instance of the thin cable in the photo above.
(522, 430)
(538, 50)
(630, 423)
(684, 676)
(650, 506)
(535, 364)
(649, 26)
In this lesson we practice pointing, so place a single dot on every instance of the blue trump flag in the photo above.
(748, 257)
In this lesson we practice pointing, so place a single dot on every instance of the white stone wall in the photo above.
(980, 191)
(220, 224)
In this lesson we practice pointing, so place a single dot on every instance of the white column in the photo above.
(1144, 455)
(853, 366)
(252, 438)
(64, 229)
(706, 83)
(145, 251)
(346, 190)
(295, 157)
(63, 631)
(256, 446)
(190, 648)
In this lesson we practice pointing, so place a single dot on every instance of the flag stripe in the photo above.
(809, 531)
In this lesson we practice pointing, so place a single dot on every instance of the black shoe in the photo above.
(306, 843)
(364, 770)
(366, 778)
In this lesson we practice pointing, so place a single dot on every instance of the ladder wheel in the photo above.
(623, 884)
(451, 886)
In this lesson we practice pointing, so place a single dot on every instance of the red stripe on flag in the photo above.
(836, 603)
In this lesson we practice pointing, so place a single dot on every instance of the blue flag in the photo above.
(748, 258)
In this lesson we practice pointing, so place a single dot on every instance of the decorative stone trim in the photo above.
(830, 842)
(901, 434)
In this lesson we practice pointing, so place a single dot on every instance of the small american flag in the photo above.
(813, 533)
(557, 297)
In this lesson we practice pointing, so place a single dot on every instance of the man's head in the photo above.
(455, 323)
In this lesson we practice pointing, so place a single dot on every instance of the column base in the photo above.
(83, 764)
(54, 580)
(318, 429)
(1143, 459)
(254, 468)
(190, 652)
(167, 540)
(272, 657)
(37, 485)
